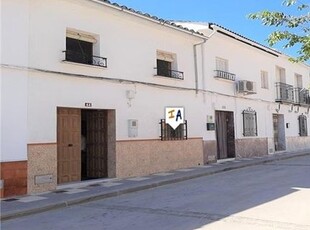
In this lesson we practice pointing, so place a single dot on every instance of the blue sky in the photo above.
(232, 14)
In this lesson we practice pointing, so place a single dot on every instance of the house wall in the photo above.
(247, 64)
(35, 81)
(42, 82)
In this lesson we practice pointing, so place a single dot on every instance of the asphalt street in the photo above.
(269, 196)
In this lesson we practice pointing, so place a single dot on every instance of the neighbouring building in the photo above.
(88, 86)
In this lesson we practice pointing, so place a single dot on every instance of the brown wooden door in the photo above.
(221, 134)
(96, 144)
(231, 152)
(225, 134)
(68, 145)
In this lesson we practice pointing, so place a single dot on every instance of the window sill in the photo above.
(165, 77)
(85, 65)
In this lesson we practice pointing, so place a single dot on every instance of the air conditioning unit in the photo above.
(246, 87)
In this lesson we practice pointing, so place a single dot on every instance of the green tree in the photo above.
(291, 29)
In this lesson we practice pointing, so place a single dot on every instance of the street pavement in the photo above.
(271, 194)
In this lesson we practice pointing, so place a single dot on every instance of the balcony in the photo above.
(82, 58)
(169, 73)
(284, 93)
(224, 75)
(301, 96)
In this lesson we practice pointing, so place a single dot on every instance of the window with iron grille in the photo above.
(83, 48)
(249, 122)
(167, 133)
(166, 65)
(302, 120)
(163, 68)
(79, 51)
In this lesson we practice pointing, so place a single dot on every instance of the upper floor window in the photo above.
(249, 122)
(222, 71)
(298, 81)
(167, 65)
(264, 79)
(302, 120)
(83, 48)
(221, 64)
(280, 75)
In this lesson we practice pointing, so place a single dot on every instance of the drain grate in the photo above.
(94, 185)
(11, 199)
(60, 191)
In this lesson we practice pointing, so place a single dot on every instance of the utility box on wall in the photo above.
(132, 128)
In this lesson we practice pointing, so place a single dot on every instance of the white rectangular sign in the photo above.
(174, 116)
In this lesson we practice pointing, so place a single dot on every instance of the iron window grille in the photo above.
(249, 122)
(79, 51)
(302, 120)
(167, 133)
(164, 68)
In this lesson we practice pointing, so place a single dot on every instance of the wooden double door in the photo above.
(225, 134)
(81, 144)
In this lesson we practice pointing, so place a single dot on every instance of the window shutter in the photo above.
(221, 64)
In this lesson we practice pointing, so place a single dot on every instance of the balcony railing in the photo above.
(79, 57)
(224, 75)
(301, 96)
(284, 93)
(169, 73)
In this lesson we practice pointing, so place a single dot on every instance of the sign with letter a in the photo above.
(174, 116)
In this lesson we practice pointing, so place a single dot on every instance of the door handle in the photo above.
(70, 145)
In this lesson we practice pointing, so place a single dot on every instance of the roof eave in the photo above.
(150, 18)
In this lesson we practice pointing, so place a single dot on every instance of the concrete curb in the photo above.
(137, 188)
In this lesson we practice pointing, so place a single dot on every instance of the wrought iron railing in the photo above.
(79, 57)
(284, 93)
(167, 133)
(301, 96)
(169, 73)
(224, 75)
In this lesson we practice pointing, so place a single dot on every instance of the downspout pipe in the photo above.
(196, 62)
(202, 59)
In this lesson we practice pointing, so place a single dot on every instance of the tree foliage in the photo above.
(293, 30)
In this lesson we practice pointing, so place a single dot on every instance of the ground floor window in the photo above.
(249, 122)
(302, 120)
(168, 133)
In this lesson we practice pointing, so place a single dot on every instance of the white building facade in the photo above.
(86, 86)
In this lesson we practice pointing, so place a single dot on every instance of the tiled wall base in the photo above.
(14, 178)
(42, 164)
(209, 152)
(252, 147)
(297, 143)
(144, 157)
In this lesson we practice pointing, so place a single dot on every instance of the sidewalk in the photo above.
(77, 193)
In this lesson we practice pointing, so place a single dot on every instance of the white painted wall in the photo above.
(125, 40)
(30, 98)
(13, 115)
(14, 51)
(247, 62)
(147, 106)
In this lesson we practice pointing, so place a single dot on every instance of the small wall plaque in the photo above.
(210, 126)
(87, 104)
(43, 179)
